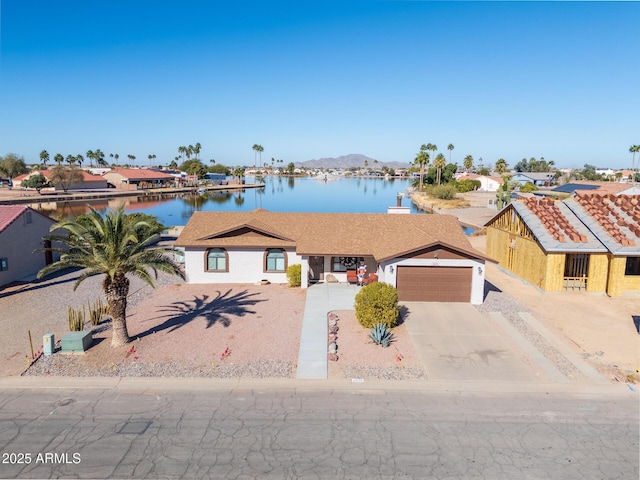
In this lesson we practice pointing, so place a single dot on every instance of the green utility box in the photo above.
(76, 342)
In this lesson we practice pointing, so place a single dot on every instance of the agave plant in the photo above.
(381, 335)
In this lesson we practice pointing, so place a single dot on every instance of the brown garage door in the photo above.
(434, 284)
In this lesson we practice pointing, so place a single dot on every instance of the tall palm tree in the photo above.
(98, 155)
(633, 149)
(90, 156)
(189, 151)
(44, 157)
(182, 151)
(450, 147)
(79, 159)
(501, 166)
(468, 163)
(432, 147)
(132, 158)
(114, 245)
(71, 159)
(116, 156)
(58, 158)
(255, 148)
(150, 157)
(196, 150)
(111, 155)
(439, 162)
(422, 159)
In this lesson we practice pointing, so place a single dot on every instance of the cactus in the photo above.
(381, 335)
(76, 319)
(97, 311)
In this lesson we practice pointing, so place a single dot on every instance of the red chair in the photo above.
(372, 277)
(352, 277)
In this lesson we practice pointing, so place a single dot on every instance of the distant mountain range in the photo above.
(349, 161)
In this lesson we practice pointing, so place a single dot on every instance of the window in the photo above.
(4, 264)
(275, 260)
(342, 264)
(633, 266)
(27, 218)
(217, 260)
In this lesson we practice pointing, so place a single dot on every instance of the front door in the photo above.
(316, 268)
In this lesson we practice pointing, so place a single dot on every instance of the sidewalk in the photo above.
(321, 299)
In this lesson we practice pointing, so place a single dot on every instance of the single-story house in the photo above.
(138, 178)
(616, 188)
(487, 183)
(589, 242)
(21, 233)
(427, 257)
(539, 179)
(89, 181)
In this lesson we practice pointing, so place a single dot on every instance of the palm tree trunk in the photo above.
(116, 292)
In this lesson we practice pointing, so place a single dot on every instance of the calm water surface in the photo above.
(348, 195)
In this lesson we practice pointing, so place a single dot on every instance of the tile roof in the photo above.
(9, 214)
(556, 227)
(614, 219)
(140, 174)
(382, 236)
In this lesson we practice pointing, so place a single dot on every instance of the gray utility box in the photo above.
(76, 342)
(48, 344)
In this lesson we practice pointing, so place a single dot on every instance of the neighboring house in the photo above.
(487, 183)
(590, 242)
(138, 178)
(427, 257)
(539, 179)
(616, 188)
(88, 182)
(21, 233)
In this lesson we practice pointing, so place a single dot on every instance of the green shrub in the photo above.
(444, 192)
(294, 275)
(468, 185)
(377, 303)
(528, 188)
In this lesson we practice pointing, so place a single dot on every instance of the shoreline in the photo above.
(19, 197)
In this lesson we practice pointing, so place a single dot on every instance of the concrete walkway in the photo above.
(321, 299)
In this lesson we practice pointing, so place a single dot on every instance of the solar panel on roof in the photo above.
(570, 187)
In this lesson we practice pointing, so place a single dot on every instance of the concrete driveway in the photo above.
(455, 342)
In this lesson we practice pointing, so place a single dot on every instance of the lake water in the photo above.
(280, 194)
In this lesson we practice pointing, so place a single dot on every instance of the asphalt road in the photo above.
(293, 433)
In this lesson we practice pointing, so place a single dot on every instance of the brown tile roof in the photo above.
(605, 187)
(382, 236)
(554, 221)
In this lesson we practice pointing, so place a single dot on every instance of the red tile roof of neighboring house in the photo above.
(140, 174)
(9, 214)
(605, 187)
(86, 177)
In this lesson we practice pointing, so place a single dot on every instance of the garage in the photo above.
(434, 284)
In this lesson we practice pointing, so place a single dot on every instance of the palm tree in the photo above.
(150, 157)
(44, 156)
(196, 150)
(422, 159)
(439, 162)
(182, 151)
(189, 151)
(79, 159)
(132, 158)
(468, 163)
(111, 155)
(432, 148)
(238, 172)
(450, 147)
(255, 148)
(501, 166)
(114, 246)
(71, 159)
(98, 155)
(116, 156)
(633, 149)
(58, 158)
(90, 156)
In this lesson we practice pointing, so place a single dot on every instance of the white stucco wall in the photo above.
(477, 276)
(245, 266)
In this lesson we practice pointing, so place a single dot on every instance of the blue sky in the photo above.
(321, 79)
